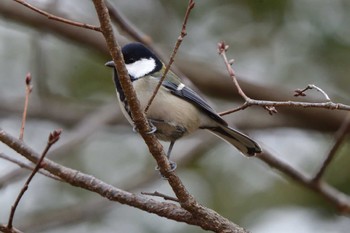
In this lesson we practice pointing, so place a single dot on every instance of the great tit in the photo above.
(176, 110)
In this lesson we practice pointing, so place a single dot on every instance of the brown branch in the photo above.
(267, 103)
(340, 137)
(88, 124)
(340, 200)
(56, 18)
(299, 92)
(53, 138)
(212, 221)
(333, 196)
(208, 219)
(12, 174)
(26, 101)
(137, 115)
(270, 105)
(183, 33)
(222, 48)
(158, 194)
(92, 208)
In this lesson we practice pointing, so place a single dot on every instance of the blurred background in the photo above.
(278, 46)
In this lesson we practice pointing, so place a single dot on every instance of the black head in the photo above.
(139, 60)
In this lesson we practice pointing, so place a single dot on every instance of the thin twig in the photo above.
(26, 101)
(340, 137)
(299, 92)
(263, 103)
(21, 164)
(205, 218)
(340, 200)
(158, 194)
(89, 209)
(222, 48)
(57, 18)
(270, 105)
(183, 33)
(53, 138)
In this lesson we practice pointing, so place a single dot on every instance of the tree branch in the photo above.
(53, 138)
(333, 196)
(340, 137)
(183, 33)
(10, 176)
(88, 182)
(56, 18)
(207, 217)
(270, 105)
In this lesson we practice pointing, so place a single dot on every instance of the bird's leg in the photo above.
(172, 164)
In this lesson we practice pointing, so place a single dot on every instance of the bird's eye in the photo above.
(129, 60)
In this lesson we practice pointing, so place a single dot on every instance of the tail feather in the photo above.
(239, 140)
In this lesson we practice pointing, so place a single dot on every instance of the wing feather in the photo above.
(188, 94)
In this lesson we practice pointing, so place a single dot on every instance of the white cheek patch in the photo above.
(141, 68)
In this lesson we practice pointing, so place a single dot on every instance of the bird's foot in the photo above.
(153, 129)
(173, 167)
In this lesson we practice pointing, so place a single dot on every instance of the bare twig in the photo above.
(85, 128)
(90, 209)
(266, 103)
(158, 194)
(10, 175)
(183, 33)
(270, 105)
(299, 92)
(26, 101)
(340, 137)
(53, 138)
(210, 221)
(333, 196)
(56, 18)
(222, 48)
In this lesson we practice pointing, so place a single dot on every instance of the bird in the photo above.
(176, 110)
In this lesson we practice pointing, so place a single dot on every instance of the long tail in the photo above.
(242, 142)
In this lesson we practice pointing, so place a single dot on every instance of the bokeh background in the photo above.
(278, 46)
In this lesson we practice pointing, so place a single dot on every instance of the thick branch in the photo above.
(88, 182)
(187, 201)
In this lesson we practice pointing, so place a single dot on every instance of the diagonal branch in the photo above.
(207, 219)
(10, 175)
(53, 138)
(56, 18)
(88, 182)
(270, 105)
(183, 33)
(333, 196)
(339, 139)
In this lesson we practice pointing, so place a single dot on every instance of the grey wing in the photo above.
(188, 94)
